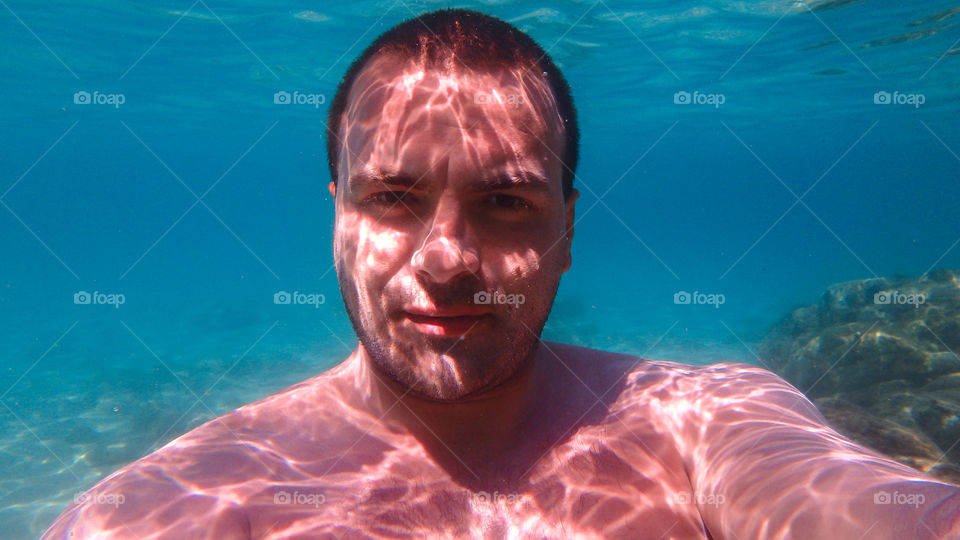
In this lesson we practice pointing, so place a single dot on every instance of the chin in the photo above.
(448, 379)
(445, 385)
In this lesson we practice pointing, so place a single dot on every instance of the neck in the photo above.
(491, 423)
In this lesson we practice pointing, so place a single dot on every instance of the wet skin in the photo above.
(453, 419)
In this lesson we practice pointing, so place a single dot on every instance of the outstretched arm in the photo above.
(164, 495)
(765, 464)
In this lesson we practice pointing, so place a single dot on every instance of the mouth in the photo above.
(447, 324)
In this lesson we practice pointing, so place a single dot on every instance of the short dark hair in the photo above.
(477, 41)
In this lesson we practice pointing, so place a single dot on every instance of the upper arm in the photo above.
(147, 504)
(765, 464)
(190, 489)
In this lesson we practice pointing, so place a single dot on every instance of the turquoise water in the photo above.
(103, 197)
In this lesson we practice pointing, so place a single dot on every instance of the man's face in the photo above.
(451, 228)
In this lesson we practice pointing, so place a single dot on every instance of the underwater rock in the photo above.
(908, 446)
(879, 356)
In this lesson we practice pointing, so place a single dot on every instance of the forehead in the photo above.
(399, 111)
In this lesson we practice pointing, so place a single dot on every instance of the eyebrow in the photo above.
(527, 180)
(378, 177)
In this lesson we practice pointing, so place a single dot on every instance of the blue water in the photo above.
(103, 198)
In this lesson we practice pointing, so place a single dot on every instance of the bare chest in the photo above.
(604, 482)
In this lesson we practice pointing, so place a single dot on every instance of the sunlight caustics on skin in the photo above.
(314, 461)
(417, 231)
(452, 419)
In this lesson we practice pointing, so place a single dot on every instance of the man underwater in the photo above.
(452, 143)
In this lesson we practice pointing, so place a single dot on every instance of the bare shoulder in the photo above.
(196, 485)
(699, 389)
(639, 369)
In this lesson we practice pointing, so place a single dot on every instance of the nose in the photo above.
(445, 252)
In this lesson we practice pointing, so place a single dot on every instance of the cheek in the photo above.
(517, 269)
(373, 255)
(344, 249)
(523, 265)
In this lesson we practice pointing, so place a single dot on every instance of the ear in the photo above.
(570, 215)
(332, 188)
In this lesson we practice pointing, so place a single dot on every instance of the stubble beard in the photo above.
(451, 369)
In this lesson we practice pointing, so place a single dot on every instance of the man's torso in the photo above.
(303, 464)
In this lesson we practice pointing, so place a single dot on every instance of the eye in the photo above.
(390, 198)
(509, 202)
